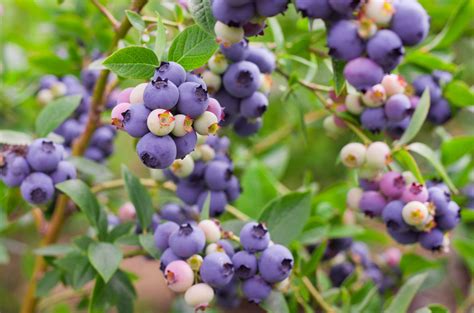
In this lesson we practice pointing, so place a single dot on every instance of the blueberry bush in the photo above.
(237, 156)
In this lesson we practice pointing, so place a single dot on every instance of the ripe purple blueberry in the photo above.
(232, 15)
(37, 188)
(135, 120)
(393, 218)
(386, 49)
(156, 152)
(171, 71)
(65, 171)
(398, 107)
(373, 119)
(254, 106)
(432, 240)
(254, 237)
(275, 263)
(13, 169)
(372, 203)
(263, 58)
(363, 73)
(242, 79)
(185, 144)
(162, 234)
(344, 42)
(256, 289)
(160, 94)
(245, 264)
(392, 184)
(314, 9)
(44, 155)
(236, 52)
(271, 8)
(410, 22)
(247, 127)
(218, 201)
(440, 112)
(217, 270)
(187, 240)
(218, 175)
(193, 99)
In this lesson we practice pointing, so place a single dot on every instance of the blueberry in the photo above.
(403, 237)
(275, 263)
(363, 73)
(218, 175)
(188, 192)
(450, 219)
(89, 77)
(271, 8)
(415, 192)
(13, 169)
(242, 79)
(162, 234)
(335, 246)
(247, 127)
(254, 106)
(245, 264)
(314, 8)
(426, 81)
(254, 237)
(174, 212)
(254, 29)
(228, 296)
(397, 107)
(353, 154)
(187, 240)
(171, 71)
(442, 77)
(193, 99)
(160, 94)
(373, 119)
(232, 15)
(47, 81)
(392, 184)
(236, 52)
(228, 35)
(344, 42)
(263, 58)
(360, 253)
(432, 240)
(440, 199)
(185, 144)
(393, 218)
(386, 49)
(410, 22)
(65, 171)
(156, 152)
(199, 296)
(374, 273)
(70, 130)
(339, 273)
(217, 204)
(94, 154)
(256, 289)
(217, 269)
(179, 276)
(440, 112)
(37, 188)
(344, 6)
(372, 203)
(134, 120)
(44, 155)
(166, 258)
(195, 78)
(230, 104)
(103, 137)
(397, 129)
(233, 189)
(226, 246)
(124, 96)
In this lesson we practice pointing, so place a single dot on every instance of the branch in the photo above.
(152, 19)
(108, 15)
(317, 296)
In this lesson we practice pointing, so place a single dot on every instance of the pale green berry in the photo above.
(212, 80)
(45, 96)
(227, 35)
(58, 89)
(183, 124)
(378, 155)
(206, 124)
(160, 122)
(211, 229)
(218, 63)
(183, 167)
(353, 198)
(136, 96)
(353, 154)
(207, 153)
(199, 296)
(353, 104)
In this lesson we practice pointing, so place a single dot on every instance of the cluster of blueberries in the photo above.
(412, 212)
(197, 262)
(345, 255)
(101, 145)
(239, 77)
(35, 169)
(206, 172)
(166, 114)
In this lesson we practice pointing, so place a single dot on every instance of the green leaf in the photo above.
(259, 180)
(98, 171)
(405, 295)
(433, 308)
(407, 161)
(277, 32)
(47, 282)
(202, 14)
(136, 20)
(54, 250)
(412, 263)
(105, 258)
(206, 207)
(275, 303)
(98, 301)
(80, 193)
(459, 94)
(55, 113)
(455, 148)
(417, 120)
(362, 306)
(160, 39)
(310, 266)
(338, 75)
(121, 230)
(465, 248)
(77, 269)
(192, 48)
(426, 152)
(11, 137)
(429, 61)
(4, 256)
(286, 216)
(147, 241)
(139, 196)
(133, 62)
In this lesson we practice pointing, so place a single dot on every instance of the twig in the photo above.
(317, 296)
(134, 253)
(108, 15)
(238, 214)
(152, 19)
(319, 52)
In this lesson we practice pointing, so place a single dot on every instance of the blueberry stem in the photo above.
(317, 296)
(108, 15)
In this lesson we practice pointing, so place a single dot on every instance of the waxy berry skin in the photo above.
(171, 71)
(393, 217)
(254, 106)
(344, 42)
(228, 35)
(218, 175)
(135, 120)
(211, 230)
(427, 81)
(217, 270)
(233, 189)
(247, 127)
(160, 122)
(218, 201)
(416, 213)
(372, 203)
(373, 119)
(353, 154)
(162, 234)
(160, 94)
(206, 124)
(379, 11)
(37, 188)
(199, 296)
(179, 275)
(314, 9)
(136, 96)
(256, 289)
(363, 73)
(254, 237)
(193, 99)
(440, 199)
(263, 58)
(124, 95)
(173, 212)
(188, 192)
(232, 15)
(166, 258)
(410, 22)
(386, 49)
(187, 240)
(269, 8)
(65, 171)
(378, 155)
(13, 170)
(44, 155)
(344, 6)
(185, 144)
(340, 272)
(432, 240)
(440, 112)
(450, 219)
(182, 125)
(415, 192)
(275, 263)
(156, 152)
(397, 107)
(392, 184)
(242, 79)
(236, 52)
(117, 114)
(245, 264)
(404, 237)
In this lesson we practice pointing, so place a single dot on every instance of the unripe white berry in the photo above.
(211, 248)
(199, 296)
(183, 124)
(201, 140)
(206, 124)
(353, 154)
(179, 276)
(370, 173)
(266, 83)
(378, 155)
(195, 262)
(136, 97)
(415, 213)
(380, 11)
(158, 175)
(353, 198)
(330, 126)
(211, 230)
(353, 104)
(207, 153)
(218, 63)
(212, 80)
(284, 285)
(45, 96)
(183, 167)
(375, 96)
(58, 89)
(393, 84)
(228, 35)
(160, 122)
